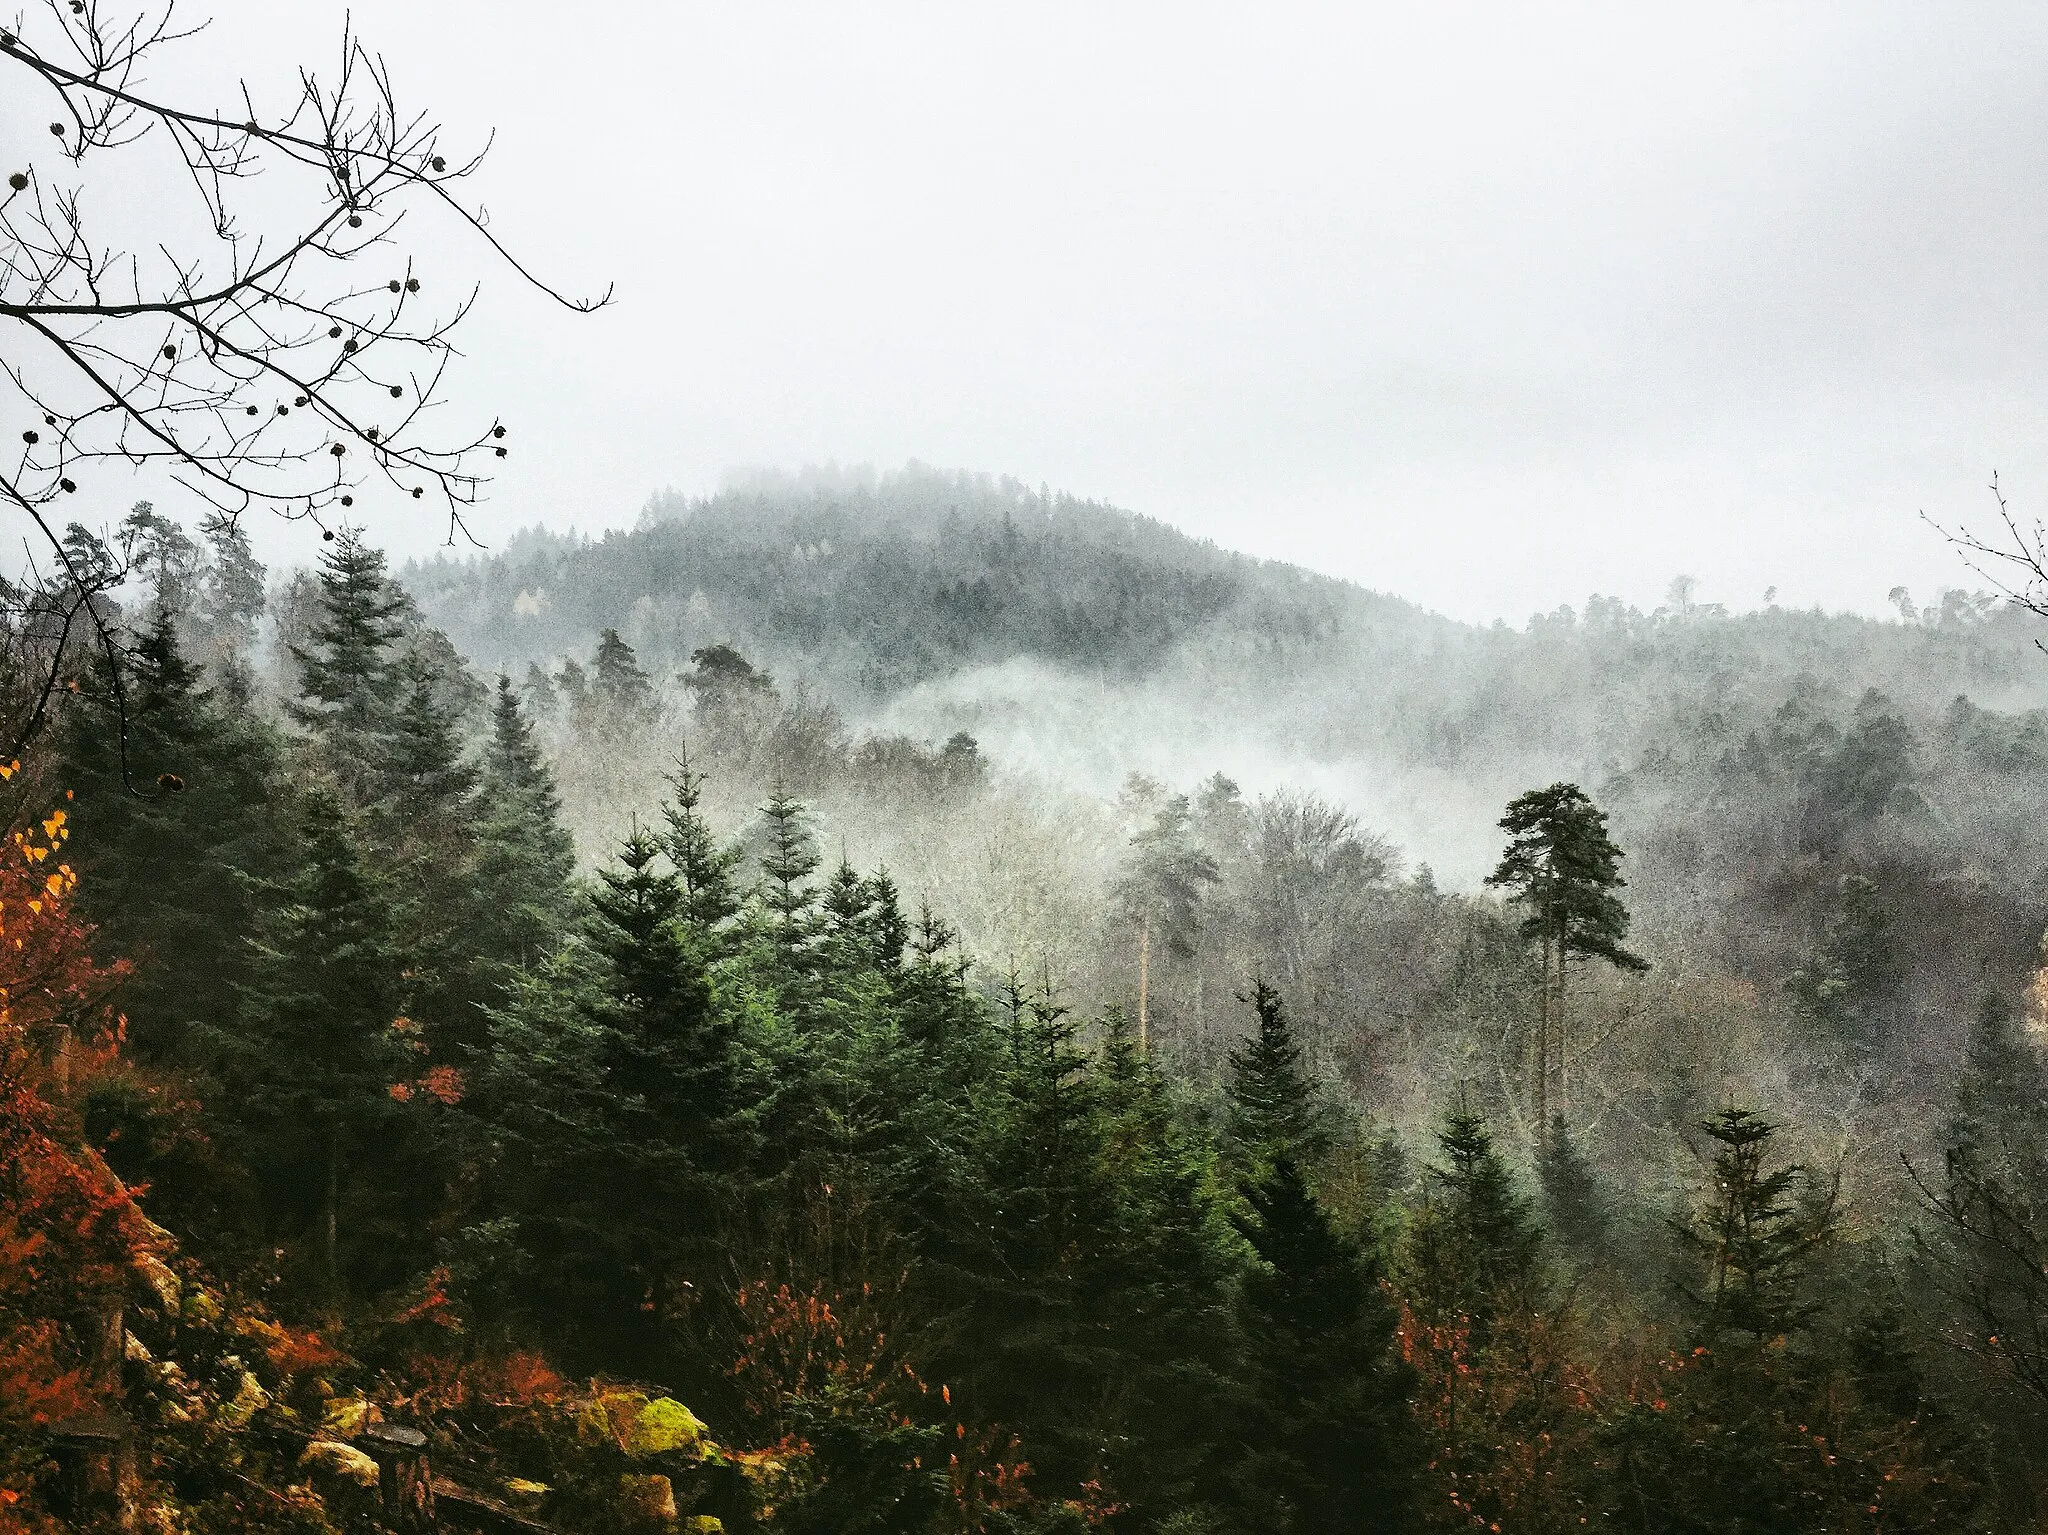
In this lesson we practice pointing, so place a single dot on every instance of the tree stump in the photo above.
(95, 1455)
(405, 1484)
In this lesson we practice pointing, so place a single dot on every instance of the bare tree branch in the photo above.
(271, 351)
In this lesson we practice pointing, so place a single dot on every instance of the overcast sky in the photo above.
(1491, 306)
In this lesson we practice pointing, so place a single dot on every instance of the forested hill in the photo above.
(1084, 643)
(871, 589)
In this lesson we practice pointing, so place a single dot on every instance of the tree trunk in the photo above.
(1563, 1034)
(1539, 1098)
(1144, 987)
(333, 1211)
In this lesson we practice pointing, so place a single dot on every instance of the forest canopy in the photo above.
(677, 1092)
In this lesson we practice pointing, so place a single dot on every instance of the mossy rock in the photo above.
(662, 1426)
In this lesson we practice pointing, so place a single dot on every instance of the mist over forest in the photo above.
(673, 851)
(911, 1003)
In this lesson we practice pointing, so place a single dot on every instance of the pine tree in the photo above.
(231, 599)
(1563, 868)
(165, 557)
(1160, 894)
(541, 695)
(734, 703)
(621, 697)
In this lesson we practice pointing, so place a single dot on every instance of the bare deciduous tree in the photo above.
(263, 338)
(2014, 559)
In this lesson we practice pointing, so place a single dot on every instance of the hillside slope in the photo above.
(1084, 643)
(875, 589)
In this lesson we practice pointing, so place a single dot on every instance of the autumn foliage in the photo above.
(69, 1230)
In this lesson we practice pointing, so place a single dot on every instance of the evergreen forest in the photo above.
(745, 1025)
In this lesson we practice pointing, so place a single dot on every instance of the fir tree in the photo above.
(1987, 1249)
(174, 807)
(789, 856)
(1331, 1446)
(1575, 1208)
(1275, 1110)
(704, 866)
(348, 676)
(318, 1042)
(1026, 1248)
(424, 820)
(1854, 965)
(524, 856)
(617, 1088)
(424, 782)
(1166, 1269)
(1753, 1241)
(1471, 1251)
(863, 924)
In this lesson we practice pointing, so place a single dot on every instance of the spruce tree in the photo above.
(1472, 1250)
(348, 674)
(704, 866)
(1274, 1109)
(1331, 1445)
(318, 1042)
(175, 817)
(524, 857)
(618, 1090)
